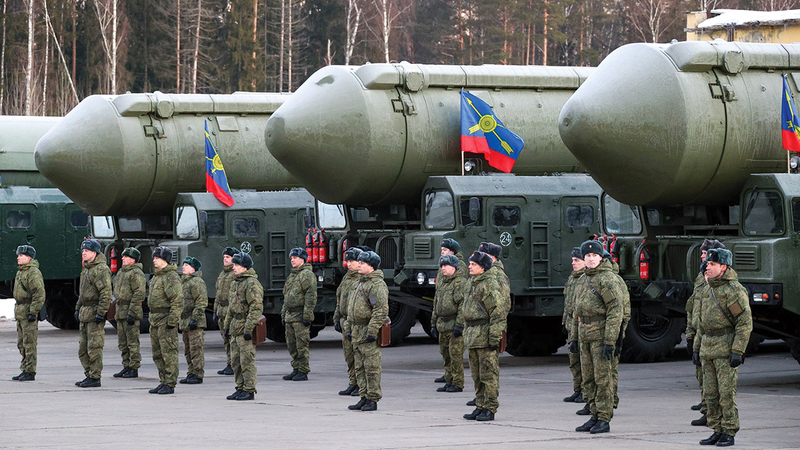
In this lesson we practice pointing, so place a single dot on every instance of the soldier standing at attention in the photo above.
(595, 328)
(450, 290)
(368, 309)
(130, 289)
(578, 266)
(484, 317)
(340, 316)
(246, 298)
(90, 311)
(223, 285)
(193, 319)
(626, 318)
(449, 247)
(29, 294)
(723, 321)
(299, 301)
(166, 301)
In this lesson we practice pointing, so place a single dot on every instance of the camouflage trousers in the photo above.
(298, 339)
(452, 351)
(598, 389)
(698, 373)
(27, 337)
(222, 313)
(243, 361)
(719, 394)
(165, 353)
(485, 369)
(367, 357)
(92, 337)
(349, 357)
(575, 368)
(128, 344)
(193, 351)
(615, 379)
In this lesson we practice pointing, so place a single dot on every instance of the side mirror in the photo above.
(307, 220)
(474, 209)
(203, 224)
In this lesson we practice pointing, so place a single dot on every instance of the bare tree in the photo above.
(196, 46)
(353, 20)
(388, 12)
(651, 17)
(282, 48)
(29, 69)
(3, 60)
(107, 18)
(60, 53)
(178, 50)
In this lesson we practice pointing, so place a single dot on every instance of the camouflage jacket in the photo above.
(482, 312)
(691, 331)
(569, 297)
(299, 295)
(447, 302)
(223, 287)
(626, 301)
(246, 303)
(95, 289)
(343, 294)
(28, 290)
(498, 271)
(368, 306)
(720, 334)
(166, 297)
(599, 318)
(130, 289)
(195, 300)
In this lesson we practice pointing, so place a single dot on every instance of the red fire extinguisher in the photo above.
(322, 243)
(314, 256)
(644, 264)
(113, 265)
(613, 249)
(345, 246)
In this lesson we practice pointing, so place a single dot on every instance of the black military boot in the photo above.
(580, 399)
(156, 389)
(246, 396)
(27, 377)
(291, 375)
(194, 379)
(454, 388)
(121, 373)
(485, 416)
(571, 398)
(711, 440)
(185, 380)
(726, 440)
(440, 380)
(588, 425)
(472, 402)
(131, 373)
(228, 370)
(474, 414)
(359, 405)
(234, 395)
(356, 392)
(16, 377)
(600, 427)
(443, 388)
(587, 410)
(79, 383)
(349, 390)
(166, 390)
(91, 382)
(697, 407)
(701, 422)
(370, 405)
(301, 376)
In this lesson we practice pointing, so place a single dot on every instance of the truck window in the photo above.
(505, 216)
(439, 210)
(580, 216)
(796, 214)
(215, 224)
(102, 227)
(763, 212)
(18, 219)
(186, 223)
(331, 216)
(130, 225)
(464, 211)
(246, 227)
(78, 219)
(620, 218)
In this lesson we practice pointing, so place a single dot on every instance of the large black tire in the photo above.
(424, 318)
(276, 332)
(794, 347)
(651, 338)
(534, 336)
(61, 313)
(403, 317)
(752, 345)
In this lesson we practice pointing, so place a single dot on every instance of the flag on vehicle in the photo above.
(216, 180)
(483, 132)
(789, 120)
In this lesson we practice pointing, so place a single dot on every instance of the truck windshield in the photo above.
(102, 227)
(439, 210)
(763, 212)
(331, 216)
(620, 218)
(186, 223)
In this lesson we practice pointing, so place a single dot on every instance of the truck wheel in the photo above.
(752, 345)
(61, 314)
(403, 317)
(650, 338)
(794, 347)
(424, 318)
(276, 332)
(534, 336)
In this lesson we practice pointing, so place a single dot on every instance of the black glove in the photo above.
(371, 338)
(192, 324)
(227, 334)
(76, 316)
(736, 359)
(573, 347)
(696, 359)
(494, 347)
(283, 321)
(99, 319)
(689, 346)
(349, 336)
(215, 317)
(170, 327)
(458, 331)
(337, 326)
(434, 333)
(31, 318)
(130, 320)
(608, 352)
(247, 336)
(618, 349)
(306, 323)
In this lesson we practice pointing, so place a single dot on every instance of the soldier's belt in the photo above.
(361, 322)
(295, 309)
(24, 302)
(159, 310)
(591, 319)
(90, 303)
(238, 316)
(448, 317)
(719, 332)
(477, 323)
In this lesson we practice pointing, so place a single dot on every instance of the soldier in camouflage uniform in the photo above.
(223, 285)
(90, 311)
(448, 247)
(297, 313)
(193, 319)
(340, 316)
(595, 328)
(578, 266)
(246, 304)
(30, 296)
(498, 271)
(483, 317)
(368, 308)
(130, 289)
(450, 290)
(165, 302)
(626, 318)
(723, 321)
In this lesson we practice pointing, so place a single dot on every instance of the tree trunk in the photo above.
(46, 68)
(178, 51)
(3, 61)
(29, 69)
(196, 47)
(254, 81)
(291, 47)
(114, 46)
(61, 53)
(282, 49)
(74, 39)
(352, 29)
(544, 33)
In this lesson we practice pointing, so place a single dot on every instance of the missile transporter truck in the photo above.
(690, 133)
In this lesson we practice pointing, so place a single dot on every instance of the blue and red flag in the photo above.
(789, 120)
(483, 132)
(216, 180)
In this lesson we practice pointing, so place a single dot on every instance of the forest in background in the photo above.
(53, 53)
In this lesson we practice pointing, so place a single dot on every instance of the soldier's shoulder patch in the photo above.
(735, 309)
